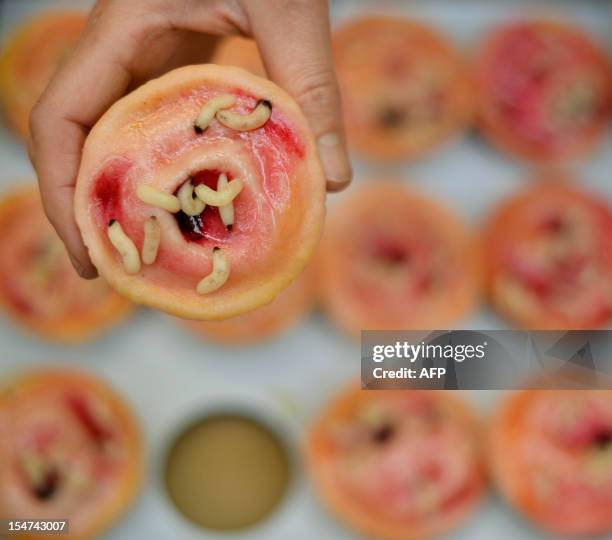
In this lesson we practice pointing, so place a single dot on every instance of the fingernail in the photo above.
(334, 159)
(77, 266)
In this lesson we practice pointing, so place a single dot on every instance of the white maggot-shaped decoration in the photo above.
(208, 112)
(152, 239)
(192, 206)
(246, 122)
(219, 197)
(124, 245)
(220, 272)
(155, 197)
(226, 211)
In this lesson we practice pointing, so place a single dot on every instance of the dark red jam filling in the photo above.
(383, 433)
(392, 117)
(391, 254)
(554, 224)
(107, 189)
(603, 438)
(208, 225)
(45, 486)
(49, 485)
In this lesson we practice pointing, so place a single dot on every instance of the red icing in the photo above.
(593, 427)
(107, 189)
(20, 304)
(240, 93)
(392, 253)
(43, 438)
(460, 497)
(397, 66)
(284, 137)
(82, 411)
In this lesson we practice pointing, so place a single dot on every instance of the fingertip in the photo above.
(78, 253)
(86, 270)
(335, 161)
(58, 207)
(335, 187)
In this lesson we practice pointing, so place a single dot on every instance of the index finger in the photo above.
(72, 103)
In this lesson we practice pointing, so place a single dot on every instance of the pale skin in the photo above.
(128, 42)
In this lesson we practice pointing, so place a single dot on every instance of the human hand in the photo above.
(127, 43)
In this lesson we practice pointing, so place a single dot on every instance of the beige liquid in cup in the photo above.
(227, 472)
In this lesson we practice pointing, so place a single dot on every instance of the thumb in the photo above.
(295, 43)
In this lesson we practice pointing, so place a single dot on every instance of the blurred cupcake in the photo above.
(404, 89)
(241, 52)
(70, 449)
(551, 453)
(548, 254)
(38, 286)
(544, 90)
(30, 58)
(397, 465)
(391, 259)
(263, 323)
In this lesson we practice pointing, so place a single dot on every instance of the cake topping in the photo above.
(220, 272)
(246, 122)
(154, 197)
(226, 211)
(222, 196)
(152, 238)
(211, 108)
(124, 245)
(190, 205)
